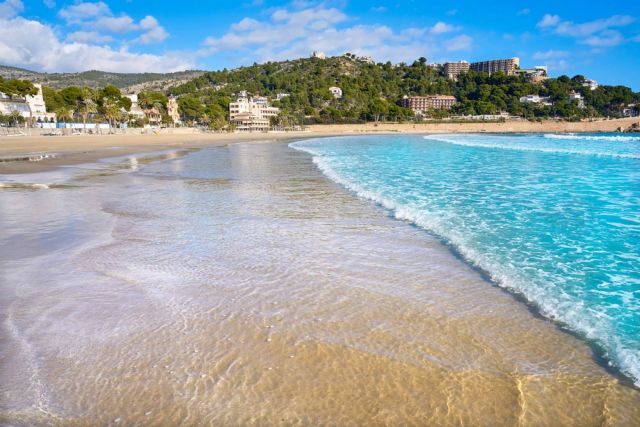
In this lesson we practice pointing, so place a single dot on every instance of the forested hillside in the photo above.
(96, 79)
(372, 91)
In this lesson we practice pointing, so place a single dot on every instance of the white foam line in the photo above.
(557, 307)
(446, 139)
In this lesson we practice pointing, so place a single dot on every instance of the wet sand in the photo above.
(236, 285)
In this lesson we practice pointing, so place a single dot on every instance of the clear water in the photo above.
(555, 218)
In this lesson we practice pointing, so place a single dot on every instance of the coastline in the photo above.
(76, 149)
(267, 254)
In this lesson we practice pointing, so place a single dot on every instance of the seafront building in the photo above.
(172, 110)
(251, 114)
(507, 66)
(31, 107)
(453, 69)
(135, 110)
(422, 104)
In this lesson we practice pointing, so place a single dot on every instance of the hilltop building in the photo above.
(537, 74)
(319, 55)
(507, 66)
(251, 114)
(536, 99)
(591, 84)
(336, 92)
(453, 69)
(577, 98)
(422, 104)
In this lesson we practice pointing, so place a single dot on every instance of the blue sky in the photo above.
(601, 41)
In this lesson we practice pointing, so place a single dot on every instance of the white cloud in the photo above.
(153, 32)
(80, 12)
(550, 54)
(121, 24)
(461, 42)
(32, 44)
(599, 33)
(89, 37)
(442, 28)
(10, 8)
(549, 21)
(605, 39)
(294, 33)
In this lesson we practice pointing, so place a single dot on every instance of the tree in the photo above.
(64, 113)
(87, 106)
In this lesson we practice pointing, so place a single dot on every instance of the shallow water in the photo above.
(237, 285)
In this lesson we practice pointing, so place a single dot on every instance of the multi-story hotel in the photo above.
(453, 69)
(507, 66)
(251, 114)
(422, 104)
(31, 107)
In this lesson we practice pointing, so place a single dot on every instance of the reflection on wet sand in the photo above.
(237, 286)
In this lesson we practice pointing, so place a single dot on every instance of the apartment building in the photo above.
(172, 110)
(251, 114)
(31, 107)
(453, 69)
(422, 104)
(507, 66)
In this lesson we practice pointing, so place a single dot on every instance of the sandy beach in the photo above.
(236, 284)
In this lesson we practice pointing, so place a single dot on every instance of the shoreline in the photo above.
(75, 149)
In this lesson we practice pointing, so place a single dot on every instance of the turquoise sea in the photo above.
(554, 218)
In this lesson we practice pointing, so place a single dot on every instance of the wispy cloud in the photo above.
(461, 42)
(97, 16)
(600, 32)
(524, 11)
(442, 28)
(550, 54)
(290, 33)
(10, 8)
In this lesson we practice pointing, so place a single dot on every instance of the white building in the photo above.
(577, 98)
(251, 114)
(135, 110)
(591, 84)
(536, 99)
(336, 92)
(38, 107)
(31, 107)
(281, 96)
(319, 55)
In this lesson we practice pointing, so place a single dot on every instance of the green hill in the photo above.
(98, 79)
(373, 91)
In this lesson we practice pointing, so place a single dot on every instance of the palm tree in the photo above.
(112, 112)
(64, 113)
(87, 106)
